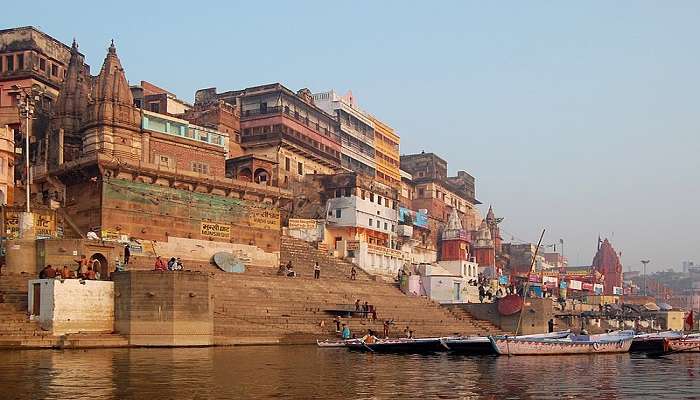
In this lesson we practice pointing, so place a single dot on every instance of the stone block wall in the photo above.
(155, 308)
(536, 314)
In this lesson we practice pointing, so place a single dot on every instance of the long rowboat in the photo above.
(612, 343)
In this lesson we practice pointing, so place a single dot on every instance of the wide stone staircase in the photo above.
(260, 307)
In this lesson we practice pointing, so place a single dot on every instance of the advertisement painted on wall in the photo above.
(264, 218)
(44, 224)
(302, 224)
(215, 230)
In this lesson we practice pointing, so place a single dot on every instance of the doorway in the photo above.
(103, 267)
(456, 295)
(36, 299)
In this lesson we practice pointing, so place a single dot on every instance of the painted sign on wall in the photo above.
(44, 224)
(215, 230)
(265, 218)
(300, 223)
(418, 218)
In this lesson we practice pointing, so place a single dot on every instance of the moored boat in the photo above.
(330, 343)
(482, 344)
(686, 344)
(401, 345)
(653, 342)
(616, 342)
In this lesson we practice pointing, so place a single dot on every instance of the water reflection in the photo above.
(304, 372)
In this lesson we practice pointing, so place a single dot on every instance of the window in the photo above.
(348, 192)
(42, 64)
(154, 107)
(330, 212)
(421, 192)
(370, 222)
(200, 168)
(386, 226)
(54, 70)
(378, 224)
(338, 212)
(300, 168)
(20, 61)
(371, 197)
(287, 164)
(163, 160)
(137, 103)
(363, 194)
(379, 200)
(10, 61)
(338, 193)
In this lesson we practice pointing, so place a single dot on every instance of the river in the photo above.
(306, 372)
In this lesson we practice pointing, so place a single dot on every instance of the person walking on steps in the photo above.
(353, 273)
(317, 270)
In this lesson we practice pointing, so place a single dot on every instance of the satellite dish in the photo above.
(227, 262)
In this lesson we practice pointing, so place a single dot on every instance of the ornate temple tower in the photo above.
(455, 242)
(65, 140)
(112, 123)
(484, 246)
(607, 262)
(492, 223)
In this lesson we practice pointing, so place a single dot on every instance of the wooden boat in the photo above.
(653, 342)
(482, 344)
(401, 345)
(331, 343)
(616, 342)
(685, 344)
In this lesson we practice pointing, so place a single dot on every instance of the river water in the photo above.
(307, 372)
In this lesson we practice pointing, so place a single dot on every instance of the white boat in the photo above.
(614, 342)
(335, 342)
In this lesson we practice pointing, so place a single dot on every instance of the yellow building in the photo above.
(386, 146)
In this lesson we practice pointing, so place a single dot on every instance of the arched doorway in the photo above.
(103, 267)
(262, 176)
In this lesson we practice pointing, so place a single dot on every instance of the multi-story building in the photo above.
(356, 131)
(286, 128)
(158, 100)
(360, 220)
(386, 154)
(32, 64)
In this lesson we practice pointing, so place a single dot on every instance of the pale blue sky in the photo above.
(581, 118)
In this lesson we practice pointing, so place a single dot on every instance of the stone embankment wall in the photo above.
(535, 316)
(154, 308)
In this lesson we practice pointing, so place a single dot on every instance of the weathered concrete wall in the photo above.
(203, 250)
(153, 212)
(72, 305)
(536, 314)
(21, 257)
(164, 308)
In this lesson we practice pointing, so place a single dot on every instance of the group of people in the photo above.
(365, 310)
(87, 269)
(288, 270)
(174, 264)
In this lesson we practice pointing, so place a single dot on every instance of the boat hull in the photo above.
(516, 347)
(685, 345)
(482, 344)
(407, 346)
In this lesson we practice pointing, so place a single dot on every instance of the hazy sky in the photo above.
(577, 117)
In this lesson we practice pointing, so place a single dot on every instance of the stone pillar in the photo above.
(26, 226)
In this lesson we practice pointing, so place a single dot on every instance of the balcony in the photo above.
(279, 110)
(275, 137)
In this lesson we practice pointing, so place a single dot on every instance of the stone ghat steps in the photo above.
(14, 321)
(303, 256)
(249, 305)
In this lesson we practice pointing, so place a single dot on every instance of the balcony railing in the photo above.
(275, 136)
(246, 114)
